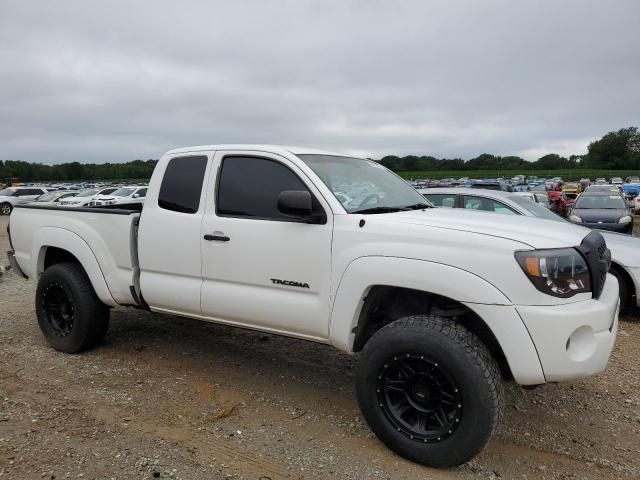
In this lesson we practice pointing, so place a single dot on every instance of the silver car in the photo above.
(625, 249)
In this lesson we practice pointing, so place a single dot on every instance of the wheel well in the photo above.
(626, 278)
(56, 255)
(384, 304)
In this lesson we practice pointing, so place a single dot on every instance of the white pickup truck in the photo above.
(442, 307)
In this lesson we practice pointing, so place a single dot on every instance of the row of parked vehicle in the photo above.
(91, 197)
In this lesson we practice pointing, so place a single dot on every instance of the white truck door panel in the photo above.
(264, 272)
(169, 239)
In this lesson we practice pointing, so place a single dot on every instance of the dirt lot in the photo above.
(173, 398)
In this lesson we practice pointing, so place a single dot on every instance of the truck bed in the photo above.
(109, 234)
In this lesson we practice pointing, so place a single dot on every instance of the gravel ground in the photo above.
(167, 397)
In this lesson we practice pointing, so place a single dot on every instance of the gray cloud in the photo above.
(118, 80)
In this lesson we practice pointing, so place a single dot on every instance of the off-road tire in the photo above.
(463, 359)
(6, 208)
(89, 316)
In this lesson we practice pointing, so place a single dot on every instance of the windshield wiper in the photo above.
(379, 210)
(417, 206)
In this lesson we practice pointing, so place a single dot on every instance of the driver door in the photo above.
(261, 268)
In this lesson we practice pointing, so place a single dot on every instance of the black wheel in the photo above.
(624, 289)
(5, 208)
(70, 314)
(430, 390)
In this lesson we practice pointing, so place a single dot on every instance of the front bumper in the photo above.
(574, 340)
(611, 227)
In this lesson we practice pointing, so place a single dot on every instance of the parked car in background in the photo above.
(601, 181)
(636, 205)
(625, 250)
(131, 194)
(12, 196)
(614, 189)
(616, 181)
(633, 179)
(602, 210)
(571, 190)
(52, 199)
(83, 198)
(585, 182)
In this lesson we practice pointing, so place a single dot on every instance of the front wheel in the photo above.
(430, 390)
(70, 315)
(5, 208)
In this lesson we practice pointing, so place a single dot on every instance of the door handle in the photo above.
(217, 238)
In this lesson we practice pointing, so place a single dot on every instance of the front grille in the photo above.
(598, 257)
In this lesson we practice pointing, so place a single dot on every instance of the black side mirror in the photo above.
(295, 203)
(299, 204)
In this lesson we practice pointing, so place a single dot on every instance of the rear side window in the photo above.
(249, 187)
(488, 205)
(441, 200)
(182, 184)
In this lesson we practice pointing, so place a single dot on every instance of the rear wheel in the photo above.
(5, 208)
(430, 390)
(70, 315)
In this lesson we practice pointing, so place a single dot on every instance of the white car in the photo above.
(441, 306)
(12, 196)
(83, 199)
(625, 250)
(52, 199)
(131, 194)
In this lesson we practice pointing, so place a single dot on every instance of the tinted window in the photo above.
(441, 200)
(182, 184)
(249, 187)
(143, 192)
(488, 205)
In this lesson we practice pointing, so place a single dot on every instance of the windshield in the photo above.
(7, 192)
(364, 186)
(536, 209)
(87, 193)
(542, 198)
(46, 197)
(123, 192)
(609, 202)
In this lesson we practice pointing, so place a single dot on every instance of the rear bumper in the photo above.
(574, 340)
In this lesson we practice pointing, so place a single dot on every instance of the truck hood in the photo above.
(530, 231)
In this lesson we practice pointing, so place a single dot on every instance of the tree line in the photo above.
(618, 150)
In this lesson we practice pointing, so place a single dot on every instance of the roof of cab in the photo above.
(260, 148)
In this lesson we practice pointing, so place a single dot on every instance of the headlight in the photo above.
(625, 219)
(559, 272)
(575, 219)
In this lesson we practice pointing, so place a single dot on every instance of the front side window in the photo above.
(364, 186)
(7, 192)
(441, 199)
(142, 193)
(487, 205)
(250, 186)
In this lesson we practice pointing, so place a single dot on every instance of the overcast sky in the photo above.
(98, 81)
